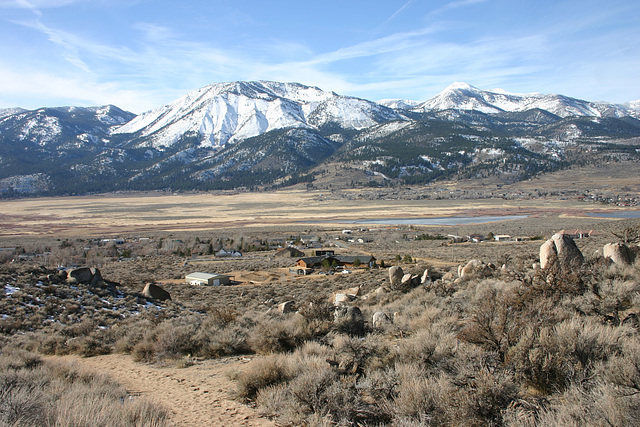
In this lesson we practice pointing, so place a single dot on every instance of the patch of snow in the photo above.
(10, 290)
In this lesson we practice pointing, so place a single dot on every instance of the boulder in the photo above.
(80, 275)
(96, 280)
(618, 253)
(475, 269)
(349, 319)
(560, 249)
(426, 278)
(448, 277)
(343, 299)
(381, 319)
(153, 291)
(346, 295)
(395, 275)
(287, 307)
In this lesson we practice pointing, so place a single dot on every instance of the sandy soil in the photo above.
(198, 395)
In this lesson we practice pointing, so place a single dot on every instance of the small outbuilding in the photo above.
(207, 279)
(289, 252)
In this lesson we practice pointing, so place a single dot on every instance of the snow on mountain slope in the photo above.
(400, 104)
(229, 112)
(466, 97)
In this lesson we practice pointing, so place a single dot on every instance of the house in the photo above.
(224, 254)
(337, 261)
(475, 238)
(324, 252)
(502, 238)
(207, 279)
(289, 252)
(578, 234)
(313, 261)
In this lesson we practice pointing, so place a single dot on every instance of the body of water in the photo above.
(622, 214)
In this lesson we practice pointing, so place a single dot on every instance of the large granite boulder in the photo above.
(153, 291)
(86, 275)
(395, 276)
(562, 250)
(618, 253)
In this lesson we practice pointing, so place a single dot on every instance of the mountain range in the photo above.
(266, 134)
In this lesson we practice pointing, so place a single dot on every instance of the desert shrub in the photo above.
(262, 373)
(37, 393)
(144, 351)
(428, 348)
(421, 398)
(623, 369)
(484, 398)
(553, 357)
(350, 354)
(222, 341)
(279, 333)
(129, 333)
(90, 345)
(594, 406)
(174, 338)
(492, 317)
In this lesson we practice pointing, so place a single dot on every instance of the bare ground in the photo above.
(198, 395)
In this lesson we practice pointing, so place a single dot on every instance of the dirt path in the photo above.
(198, 395)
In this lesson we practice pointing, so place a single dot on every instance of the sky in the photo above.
(142, 54)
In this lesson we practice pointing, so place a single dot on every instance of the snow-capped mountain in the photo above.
(267, 134)
(62, 125)
(399, 104)
(225, 113)
(462, 96)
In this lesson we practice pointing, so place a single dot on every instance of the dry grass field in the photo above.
(150, 213)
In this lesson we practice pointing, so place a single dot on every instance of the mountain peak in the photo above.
(460, 86)
(224, 113)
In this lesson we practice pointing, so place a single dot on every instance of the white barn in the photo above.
(207, 279)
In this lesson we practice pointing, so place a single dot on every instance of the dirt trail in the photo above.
(198, 395)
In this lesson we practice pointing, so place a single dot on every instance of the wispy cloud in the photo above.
(157, 63)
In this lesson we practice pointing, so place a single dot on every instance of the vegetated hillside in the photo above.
(263, 135)
(504, 342)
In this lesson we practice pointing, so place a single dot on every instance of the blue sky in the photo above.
(140, 54)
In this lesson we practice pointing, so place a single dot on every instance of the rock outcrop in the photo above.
(86, 275)
(475, 269)
(562, 250)
(395, 276)
(618, 253)
(380, 319)
(153, 291)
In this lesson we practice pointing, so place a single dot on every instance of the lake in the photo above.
(623, 214)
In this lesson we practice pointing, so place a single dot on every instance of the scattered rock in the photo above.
(448, 277)
(340, 299)
(153, 291)
(287, 307)
(381, 319)
(475, 269)
(426, 278)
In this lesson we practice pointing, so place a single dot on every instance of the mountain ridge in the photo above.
(262, 133)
